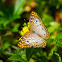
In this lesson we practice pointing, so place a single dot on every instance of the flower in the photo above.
(24, 30)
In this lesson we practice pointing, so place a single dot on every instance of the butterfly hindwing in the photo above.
(31, 39)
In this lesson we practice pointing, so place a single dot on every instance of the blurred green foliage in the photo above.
(12, 15)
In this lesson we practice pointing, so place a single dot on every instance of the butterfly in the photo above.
(35, 37)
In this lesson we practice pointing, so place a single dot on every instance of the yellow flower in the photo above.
(25, 29)
(22, 32)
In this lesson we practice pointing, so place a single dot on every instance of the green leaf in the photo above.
(1, 13)
(8, 53)
(59, 36)
(19, 51)
(29, 52)
(5, 46)
(23, 56)
(42, 59)
(51, 29)
(18, 9)
(15, 58)
(4, 22)
(55, 24)
(14, 47)
(15, 28)
(15, 16)
(54, 49)
(47, 19)
(49, 41)
(1, 61)
(58, 42)
(53, 36)
(56, 58)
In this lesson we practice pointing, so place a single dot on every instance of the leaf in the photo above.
(4, 22)
(47, 19)
(19, 51)
(1, 13)
(1, 61)
(56, 58)
(8, 53)
(59, 36)
(15, 16)
(54, 49)
(55, 24)
(58, 42)
(14, 47)
(51, 29)
(53, 36)
(18, 9)
(31, 60)
(29, 52)
(15, 58)
(15, 28)
(5, 46)
(24, 56)
(42, 59)
(49, 41)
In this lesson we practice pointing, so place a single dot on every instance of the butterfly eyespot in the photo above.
(36, 20)
(44, 34)
(27, 41)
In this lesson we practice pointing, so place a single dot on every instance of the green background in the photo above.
(14, 15)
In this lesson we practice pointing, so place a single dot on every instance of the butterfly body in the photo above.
(35, 37)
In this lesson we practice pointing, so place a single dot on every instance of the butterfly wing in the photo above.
(36, 25)
(31, 39)
(34, 20)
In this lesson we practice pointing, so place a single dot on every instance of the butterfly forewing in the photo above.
(31, 39)
(34, 20)
(36, 25)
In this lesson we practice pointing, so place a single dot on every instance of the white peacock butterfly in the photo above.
(35, 37)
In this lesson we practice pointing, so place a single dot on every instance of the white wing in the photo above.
(36, 25)
(31, 39)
